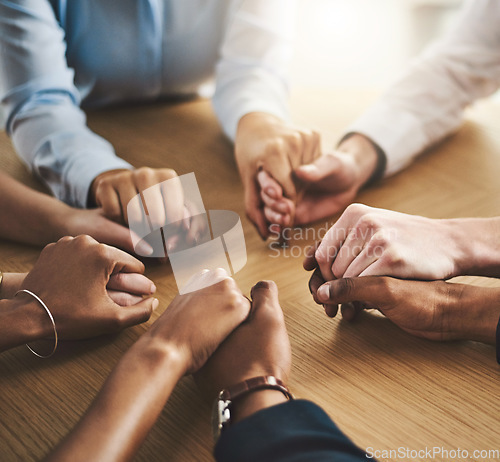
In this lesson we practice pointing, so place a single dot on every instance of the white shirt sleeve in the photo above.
(427, 102)
(252, 72)
(48, 128)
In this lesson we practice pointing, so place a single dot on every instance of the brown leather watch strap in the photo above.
(268, 382)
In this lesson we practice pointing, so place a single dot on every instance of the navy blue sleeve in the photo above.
(498, 342)
(295, 431)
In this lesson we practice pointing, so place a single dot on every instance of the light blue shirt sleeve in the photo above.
(56, 55)
(41, 102)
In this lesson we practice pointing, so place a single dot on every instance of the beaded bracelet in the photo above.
(39, 300)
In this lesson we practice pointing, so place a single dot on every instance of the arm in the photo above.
(367, 241)
(79, 282)
(35, 218)
(264, 427)
(136, 391)
(436, 310)
(48, 128)
(295, 431)
(251, 102)
(427, 102)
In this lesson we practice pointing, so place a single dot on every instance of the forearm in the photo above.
(11, 283)
(126, 407)
(29, 216)
(22, 321)
(476, 244)
(476, 315)
(51, 135)
(427, 102)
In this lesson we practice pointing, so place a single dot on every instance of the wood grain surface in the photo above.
(384, 388)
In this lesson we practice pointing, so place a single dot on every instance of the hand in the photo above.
(128, 289)
(436, 310)
(125, 289)
(260, 346)
(113, 190)
(71, 276)
(196, 323)
(367, 241)
(326, 186)
(266, 143)
(74, 222)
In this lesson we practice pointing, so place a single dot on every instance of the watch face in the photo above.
(221, 416)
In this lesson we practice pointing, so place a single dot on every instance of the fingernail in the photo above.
(324, 292)
(143, 248)
(271, 193)
(152, 289)
(277, 218)
(308, 168)
(156, 302)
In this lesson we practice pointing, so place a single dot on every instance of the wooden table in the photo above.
(384, 388)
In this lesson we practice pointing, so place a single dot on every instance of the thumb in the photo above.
(372, 290)
(264, 296)
(322, 167)
(139, 313)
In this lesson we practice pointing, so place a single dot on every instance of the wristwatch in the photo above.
(221, 412)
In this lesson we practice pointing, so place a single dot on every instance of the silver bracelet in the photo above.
(39, 300)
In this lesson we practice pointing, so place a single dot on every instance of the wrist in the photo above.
(11, 283)
(253, 119)
(161, 355)
(369, 161)
(29, 319)
(478, 323)
(475, 244)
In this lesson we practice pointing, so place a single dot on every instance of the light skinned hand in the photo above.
(366, 241)
(264, 142)
(259, 346)
(195, 324)
(435, 310)
(71, 277)
(326, 185)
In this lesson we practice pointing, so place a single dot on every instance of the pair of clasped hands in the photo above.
(287, 179)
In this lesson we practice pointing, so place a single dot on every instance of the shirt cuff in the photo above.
(70, 181)
(399, 134)
(230, 122)
(498, 342)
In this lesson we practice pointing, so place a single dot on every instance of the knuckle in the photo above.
(168, 173)
(356, 209)
(144, 173)
(83, 240)
(274, 147)
(380, 239)
(321, 258)
(295, 141)
(368, 221)
(344, 287)
(116, 322)
(393, 258)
